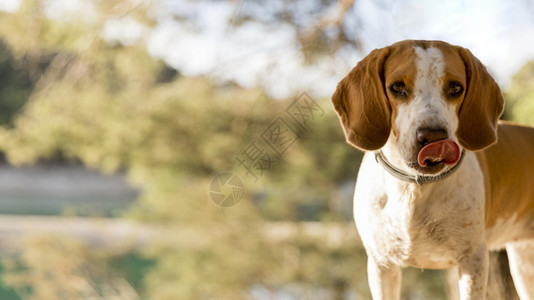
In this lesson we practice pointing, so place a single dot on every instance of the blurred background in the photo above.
(181, 149)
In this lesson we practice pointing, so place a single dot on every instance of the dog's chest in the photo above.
(421, 236)
(432, 229)
(433, 226)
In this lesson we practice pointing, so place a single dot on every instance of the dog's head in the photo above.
(425, 99)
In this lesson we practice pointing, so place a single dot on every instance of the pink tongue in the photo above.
(445, 151)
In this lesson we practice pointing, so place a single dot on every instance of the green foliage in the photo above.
(108, 107)
(54, 267)
(113, 107)
(15, 85)
(520, 96)
(233, 263)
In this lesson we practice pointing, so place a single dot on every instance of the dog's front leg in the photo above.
(474, 275)
(385, 282)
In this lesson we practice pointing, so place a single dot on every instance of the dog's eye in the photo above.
(455, 89)
(398, 88)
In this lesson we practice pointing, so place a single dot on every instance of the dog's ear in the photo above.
(481, 108)
(361, 103)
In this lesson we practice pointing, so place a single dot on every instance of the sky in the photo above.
(266, 54)
(499, 32)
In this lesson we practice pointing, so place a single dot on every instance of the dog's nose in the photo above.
(429, 135)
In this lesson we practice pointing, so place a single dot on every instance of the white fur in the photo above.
(521, 256)
(516, 235)
(428, 109)
(438, 225)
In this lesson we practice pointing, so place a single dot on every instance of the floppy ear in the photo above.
(481, 107)
(361, 103)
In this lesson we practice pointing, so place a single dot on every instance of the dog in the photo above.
(443, 181)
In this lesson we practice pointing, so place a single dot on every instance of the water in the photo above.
(63, 189)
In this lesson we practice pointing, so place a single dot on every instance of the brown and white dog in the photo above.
(443, 181)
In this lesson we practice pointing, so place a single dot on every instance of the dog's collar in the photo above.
(418, 179)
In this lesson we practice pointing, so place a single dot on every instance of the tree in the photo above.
(60, 267)
(520, 96)
(111, 106)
